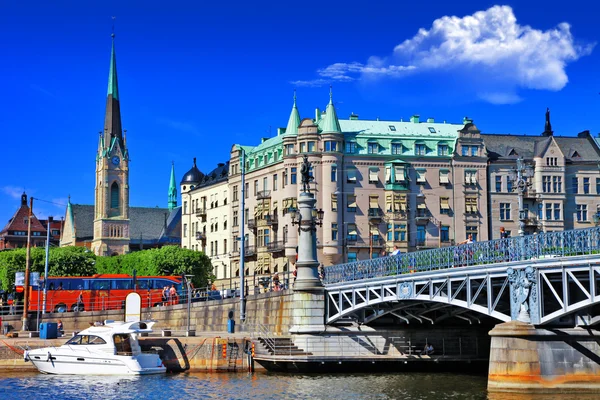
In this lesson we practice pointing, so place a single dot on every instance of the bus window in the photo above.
(51, 286)
(101, 284)
(75, 284)
(143, 284)
(122, 284)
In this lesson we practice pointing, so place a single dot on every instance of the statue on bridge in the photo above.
(523, 295)
(305, 173)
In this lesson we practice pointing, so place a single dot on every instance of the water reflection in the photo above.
(263, 386)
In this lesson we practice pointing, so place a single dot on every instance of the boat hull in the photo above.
(53, 361)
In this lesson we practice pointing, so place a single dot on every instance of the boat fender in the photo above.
(26, 356)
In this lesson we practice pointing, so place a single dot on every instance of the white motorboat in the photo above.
(109, 349)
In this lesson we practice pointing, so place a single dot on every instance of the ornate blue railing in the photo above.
(558, 244)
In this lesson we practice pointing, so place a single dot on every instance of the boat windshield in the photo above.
(86, 339)
(122, 344)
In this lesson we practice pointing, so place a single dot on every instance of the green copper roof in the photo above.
(330, 122)
(172, 189)
(294, 121)
(113, 86)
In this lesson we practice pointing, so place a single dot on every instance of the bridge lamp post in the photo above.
(520, 176)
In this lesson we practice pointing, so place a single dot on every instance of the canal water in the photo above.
(405, 386)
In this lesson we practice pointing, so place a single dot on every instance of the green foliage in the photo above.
(168, 260)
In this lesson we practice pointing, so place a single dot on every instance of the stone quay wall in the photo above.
(525, 359)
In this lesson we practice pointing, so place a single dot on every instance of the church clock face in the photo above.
(116, 160)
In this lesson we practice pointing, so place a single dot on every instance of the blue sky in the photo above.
(197, 77)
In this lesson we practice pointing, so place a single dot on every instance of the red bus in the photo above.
(102, 292)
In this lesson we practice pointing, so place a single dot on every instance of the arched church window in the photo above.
(114, 195)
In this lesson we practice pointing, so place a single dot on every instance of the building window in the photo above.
(551, 161)
(333, 173)
(575, 185)
(289, 149)
(540, 211)
(330, 146)
(185, 210)
(373, 175)
(504, 211)
(420, 235)
(509, 185)
(471, 205)
(265, 183)
(352, 233)
(396, 232)
(352, 257)
(557, 184)
(470, 177)
(246, 214)
(235, 218)
(311, 146)
(114, 195)
(498, 183)
(444, 205)
(334, 205)
(582, 213)
(275, 182)
(472, 231)
(351, 199)
(334, 231)
(557, 212)
(443, 150)
(235, 193)
(474, 151)
(185, 230)
(293, 176)
(351, 147)
(351, 175)
(421, 176)
(302, 147)
(373, 148)
(444, 176)
(597, 185)
(396, 148)
(247, 190)
(465, 150)
(420, 149)
(586, 185)
(224, 245)
(445, 234)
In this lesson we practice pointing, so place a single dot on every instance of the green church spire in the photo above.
(331, 123)
(294, 121)
(172, 189)
(113, 86)
(112, 117)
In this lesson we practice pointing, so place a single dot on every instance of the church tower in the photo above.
(111, 205)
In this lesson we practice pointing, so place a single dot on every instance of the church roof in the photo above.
(151, 225)
(112, 117)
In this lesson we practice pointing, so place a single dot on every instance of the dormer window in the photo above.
(373, 147)
(431, 129)
(392, 128)
(351, 147)
(442, 149)
(396, 148)
(420, 149)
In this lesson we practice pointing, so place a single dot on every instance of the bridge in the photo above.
(538, 279)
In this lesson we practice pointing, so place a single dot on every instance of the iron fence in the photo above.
(543, 245)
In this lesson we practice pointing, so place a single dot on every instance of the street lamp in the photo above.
(50, 219)
(520, 176)
(189, 304)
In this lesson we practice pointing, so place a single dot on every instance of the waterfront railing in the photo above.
(574, 242)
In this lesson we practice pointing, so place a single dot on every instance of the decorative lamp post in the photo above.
(307, 218)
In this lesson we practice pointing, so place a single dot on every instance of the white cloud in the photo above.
(488, 46)
(13, 191)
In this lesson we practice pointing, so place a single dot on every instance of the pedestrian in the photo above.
(173, 295)
(321, 272)
(503, 233)
(165, 296)
(276, 282)
(79, 305)
(396, 251)
(60, 328)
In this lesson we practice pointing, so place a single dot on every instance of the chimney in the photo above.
(430, 120)
(317, 115)
(415, 119)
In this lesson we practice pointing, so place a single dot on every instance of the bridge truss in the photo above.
(545, 290)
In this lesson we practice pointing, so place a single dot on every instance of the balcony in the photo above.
(271, 219)
(356, 242)
(531, 194)
(532, 221)
(274, 247)
(396, 215)
(249, 251)
(200, 212)
(422, 216)
(375, 214)
(377, 242)
(235, 253)
(263, 194)
(251, 224)
(200, 236)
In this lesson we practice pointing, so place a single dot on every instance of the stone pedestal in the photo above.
(307, 279)
(308, 313)
(529, 360)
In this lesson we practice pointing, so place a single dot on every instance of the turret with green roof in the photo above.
(330, 123)
(294, 121)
